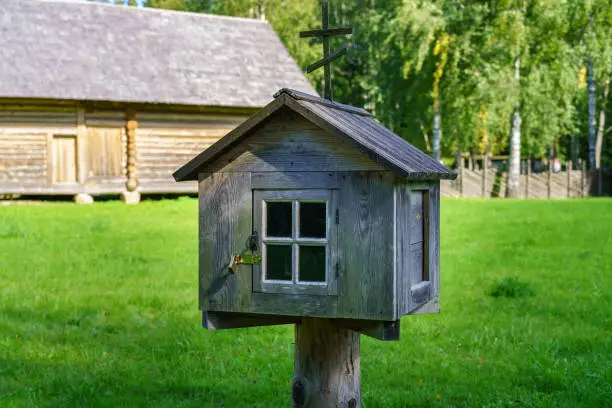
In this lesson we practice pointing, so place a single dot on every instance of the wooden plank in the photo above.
(104, 152)
(326, 60)
(295, 305)
(416, 216)
(229, 320)
(402, 246)
(294, 180)
(366, 282)
(385, 331)
(81, 145)
(433, 240)
(420, 293)
(64, 159)
(225, 203)
(416, 271)
(329, 32)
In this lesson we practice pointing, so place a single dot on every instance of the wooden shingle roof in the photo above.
(375, 140)
(55, 49)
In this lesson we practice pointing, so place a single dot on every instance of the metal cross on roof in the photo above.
(325, 33)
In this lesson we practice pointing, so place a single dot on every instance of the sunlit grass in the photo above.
(98, 307)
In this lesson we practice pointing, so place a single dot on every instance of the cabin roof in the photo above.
(375, 140)
(55, 49)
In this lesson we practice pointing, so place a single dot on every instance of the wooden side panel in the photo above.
(433, 249)
(64, 159)
(290, 143)
(417, 247)
(417, 236)
(402, 248)
(22, 160)
(225, 225)
(165, 142)
(366, 283)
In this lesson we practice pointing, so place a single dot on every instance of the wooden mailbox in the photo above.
(312, 209)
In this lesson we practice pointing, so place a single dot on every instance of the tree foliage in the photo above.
(410, 57)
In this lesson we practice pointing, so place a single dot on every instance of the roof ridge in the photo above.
(321, 101)
(156, 10)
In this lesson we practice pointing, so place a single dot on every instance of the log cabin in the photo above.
(97, 99)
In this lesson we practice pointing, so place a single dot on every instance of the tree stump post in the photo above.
(327, 370)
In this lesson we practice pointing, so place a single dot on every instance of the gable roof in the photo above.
(375, 140)
(56, 49)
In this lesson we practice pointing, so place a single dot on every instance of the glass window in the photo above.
(279, 262)
(312, 263)
(278, 218)
(313, 220)
(295, 240)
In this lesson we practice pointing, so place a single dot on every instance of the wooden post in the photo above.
(131, 196)
(599, 181)
(460, 174)
(582, 178)
(485, 167)
(327, 368)
(81, 136)
(549, 180)
(130, 128)
(327, 88)
(569, 179)
(528, 176)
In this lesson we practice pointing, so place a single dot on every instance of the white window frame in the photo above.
(295, 286)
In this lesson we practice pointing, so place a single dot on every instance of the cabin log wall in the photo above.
(163, 141)
(26, 145)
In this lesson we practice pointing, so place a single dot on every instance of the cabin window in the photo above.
(297, 240)
(419, 227)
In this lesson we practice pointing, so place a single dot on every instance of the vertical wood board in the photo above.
(104, 152)
(366, 283)
(64, 159)
(225, 207)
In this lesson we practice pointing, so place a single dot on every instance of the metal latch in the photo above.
(245, 259)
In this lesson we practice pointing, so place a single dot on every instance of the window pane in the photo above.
(313, 219)
(278, 262)
(279, 218)
(312, 263)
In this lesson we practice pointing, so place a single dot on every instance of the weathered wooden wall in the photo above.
(365, 249)
(64, 148)
(297, 150)
(166, 141)
(27, 144)
(290, 143)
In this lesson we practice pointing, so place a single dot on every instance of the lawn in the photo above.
(98, 308)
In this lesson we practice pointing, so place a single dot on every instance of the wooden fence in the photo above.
(564, 184)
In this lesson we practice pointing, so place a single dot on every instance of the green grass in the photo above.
(98, 308)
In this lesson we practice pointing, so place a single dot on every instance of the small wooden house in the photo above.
(104, 99)
(312, 208)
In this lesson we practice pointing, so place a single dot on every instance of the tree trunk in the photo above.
(592, 124)
(327, 366)
(437, 133)
(514, 170)
(602, 124)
